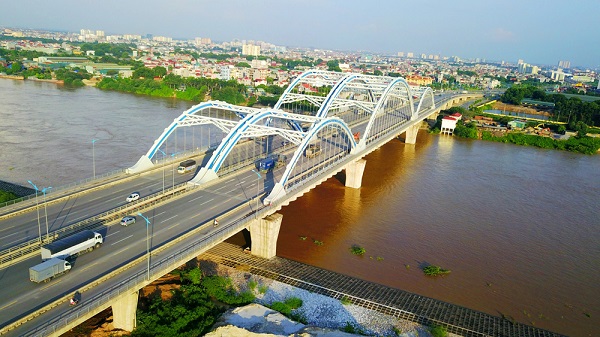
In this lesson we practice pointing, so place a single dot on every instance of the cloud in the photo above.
(502, 35)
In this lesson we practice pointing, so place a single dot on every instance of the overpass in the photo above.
(343, 116)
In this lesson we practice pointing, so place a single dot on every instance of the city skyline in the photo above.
(539, 32)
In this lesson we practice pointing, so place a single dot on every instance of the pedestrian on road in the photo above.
(216, 222)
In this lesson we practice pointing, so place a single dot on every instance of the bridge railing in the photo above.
(139, 278)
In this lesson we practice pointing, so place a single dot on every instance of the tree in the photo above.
(160, 71)
(334, 65)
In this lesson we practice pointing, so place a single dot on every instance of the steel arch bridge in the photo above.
(321, 118)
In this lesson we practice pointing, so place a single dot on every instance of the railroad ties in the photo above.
(387, 300)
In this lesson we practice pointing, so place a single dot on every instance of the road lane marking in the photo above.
(8, 305)
(196, 198)
(112, 244)
(241, 182)
(220, 188)
(111, 234)
(230, 180)
(207, 201)
(165, 220)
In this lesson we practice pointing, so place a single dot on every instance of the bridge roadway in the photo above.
(232, 194)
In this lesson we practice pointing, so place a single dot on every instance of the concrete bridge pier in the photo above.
(354, 173)
(411, 134)
(434, 115)
(124, 312)
(264, 233)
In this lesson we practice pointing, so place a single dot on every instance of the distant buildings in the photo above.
(250, 49)
(564, 64)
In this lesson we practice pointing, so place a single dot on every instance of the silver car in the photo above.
(128, 220)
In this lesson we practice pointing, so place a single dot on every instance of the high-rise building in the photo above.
(250, 49)
(400, 54)
(564, 64)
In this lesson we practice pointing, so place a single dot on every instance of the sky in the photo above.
(537, 31)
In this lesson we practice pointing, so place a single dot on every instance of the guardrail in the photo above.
(165, 265)
(25, 250)
(138, 279)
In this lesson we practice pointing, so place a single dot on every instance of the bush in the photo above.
(432, 270)
(281, 307)
(438, 331)
(357, 250)
(7, 196)
(222, 290)
(345, 300)
(293, 302)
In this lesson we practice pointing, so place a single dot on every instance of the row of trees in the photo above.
(566, 109)
(191, 89)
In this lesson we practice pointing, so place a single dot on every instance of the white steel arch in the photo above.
(379, 109)
(189, 118)
(250, 127)
(426, 97)
(279, 190)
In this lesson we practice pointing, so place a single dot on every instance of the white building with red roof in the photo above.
(449, 123)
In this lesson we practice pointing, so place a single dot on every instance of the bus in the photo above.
(186, 166)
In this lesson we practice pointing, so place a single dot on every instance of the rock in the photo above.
(257, 320)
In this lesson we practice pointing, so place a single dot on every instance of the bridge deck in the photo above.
(390, 301)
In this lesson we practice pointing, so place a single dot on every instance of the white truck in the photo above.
(72, 245)
(48, 270)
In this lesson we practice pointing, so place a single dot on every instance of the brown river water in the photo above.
(517, 226)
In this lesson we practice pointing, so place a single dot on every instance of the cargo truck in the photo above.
(270, 162)
(48, 270)
(186, 166)
(312, 150)
(72, 245)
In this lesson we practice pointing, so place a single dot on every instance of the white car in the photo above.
(128, 220)
(133, 197)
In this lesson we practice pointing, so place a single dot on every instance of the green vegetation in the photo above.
(287, 306)
(432, 270)
(566, 109)
(438, 331)
(72, 77)
(351, 328)
(191, 311)
(7, 196)
(345, 300)
(222, 290)
(357, 250)
(318, 243)
(466, 131)
(585, 145)
(192, 89)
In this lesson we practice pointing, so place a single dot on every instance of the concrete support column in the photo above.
(411, 134)
(434, 115)
(264, 233)
(124, 312)
(354, 173)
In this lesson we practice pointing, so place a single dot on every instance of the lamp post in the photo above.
(46, 209)
(37, 209)
(164, 155)
(258, 176)
(94, 157)
(147, 243)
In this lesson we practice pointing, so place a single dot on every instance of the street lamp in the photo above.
(38, 210)
(45, 208)
(147, 243)
(258, 176)
(94, 157)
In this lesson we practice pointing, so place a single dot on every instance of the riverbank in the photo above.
(321, 313)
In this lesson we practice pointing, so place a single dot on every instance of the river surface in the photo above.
(517, 226)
